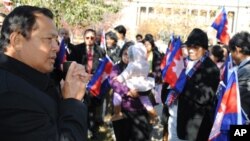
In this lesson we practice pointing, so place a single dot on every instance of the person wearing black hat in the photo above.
(191, 115)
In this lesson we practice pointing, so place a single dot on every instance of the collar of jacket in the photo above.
(244, 62)
(34, 77)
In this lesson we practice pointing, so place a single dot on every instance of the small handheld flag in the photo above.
(61, 55)
(174, 72)
(99, 82)
(220, 24)
(168, 53)
(228, 111)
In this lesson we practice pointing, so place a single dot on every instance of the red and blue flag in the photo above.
(61, 55)
(228, 111)
(227, 70)
(168, 53)
(220, 24)
(99, 83)
(174, 71)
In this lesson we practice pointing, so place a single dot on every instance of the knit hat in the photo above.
(197, 38)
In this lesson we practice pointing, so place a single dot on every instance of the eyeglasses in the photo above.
(91, 38)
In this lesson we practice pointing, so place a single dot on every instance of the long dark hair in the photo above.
(122, 65)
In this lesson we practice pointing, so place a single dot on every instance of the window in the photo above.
(203, 13)
(194, 12)
(212, 13)
(151, 10)
(143, 10)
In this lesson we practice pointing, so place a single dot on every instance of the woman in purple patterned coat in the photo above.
(135, 125)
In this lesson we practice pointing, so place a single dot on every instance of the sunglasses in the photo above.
(91, 38)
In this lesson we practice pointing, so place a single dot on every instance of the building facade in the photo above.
(135, 12)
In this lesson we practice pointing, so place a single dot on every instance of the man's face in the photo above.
(148, 46)
(119, 35)
(89, 38)
(138, 39)
(64, 34)
(39, 51)
(237, 55)
(110, 42)
(195, 52)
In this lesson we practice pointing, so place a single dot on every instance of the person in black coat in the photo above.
(31, 108)
(112, 49)
(86, 51)
(88, 54)
(192, 113)
(196, 103)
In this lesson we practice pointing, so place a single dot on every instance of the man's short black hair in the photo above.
(217, 51)
(121, 29)
(241, 40)
(139, 35)
(21, 20)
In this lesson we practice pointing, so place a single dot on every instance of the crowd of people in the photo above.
(38, 103)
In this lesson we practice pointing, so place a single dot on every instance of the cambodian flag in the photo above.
(227, 71)
(99, 84)
(168, 53)
(61, 55)
(220, 24)
(229, 111)
(174, 72)
(175, 65)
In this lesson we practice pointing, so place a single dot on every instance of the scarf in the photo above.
(174, 93)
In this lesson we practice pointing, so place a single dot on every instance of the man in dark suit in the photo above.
(89, 54)
(196, 103)
(239, 47)
(31, 108)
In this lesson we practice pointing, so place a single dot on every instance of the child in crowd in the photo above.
(135, 76)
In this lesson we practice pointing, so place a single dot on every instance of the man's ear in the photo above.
(16, 40)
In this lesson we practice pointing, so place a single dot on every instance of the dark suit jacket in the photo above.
(244, 86)
(31, 108)
(196, 104)
(156, 66)
(70, 47)
(79, 54)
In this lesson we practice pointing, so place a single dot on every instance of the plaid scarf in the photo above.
(173, 93)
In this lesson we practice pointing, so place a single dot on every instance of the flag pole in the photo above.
(237, 16)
